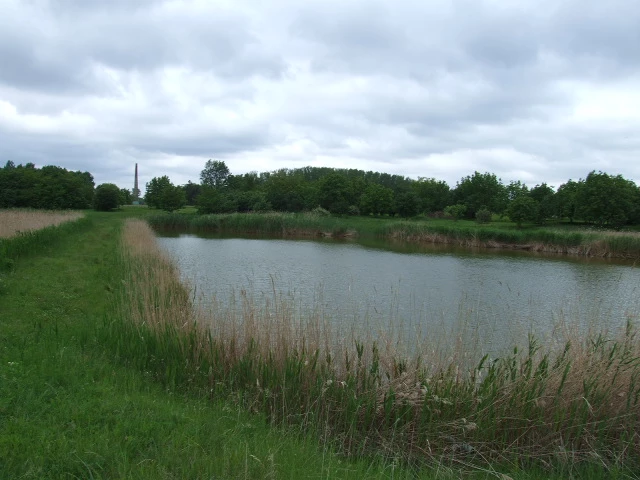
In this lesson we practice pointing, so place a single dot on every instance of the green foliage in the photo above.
(456, 211)
(481, 190)
(522, 209)
(607, 200)
(546, 200)
(320, 212)
(287, 192)
(214, 174)
(50, 187)
(213, 200)
(162, 194)
(172, 198)
(125, 197)
(107, 197)
(191, 191)
(353, 210)
(377, 200)
(407, 204)
(567, 200)
(516, 189)
(433, 194)
(483, 215)
(335, 193)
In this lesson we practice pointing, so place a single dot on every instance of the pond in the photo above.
(495, 297)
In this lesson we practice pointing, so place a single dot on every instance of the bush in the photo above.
(483, 215)
(320, 212)
(354, 211)
(107, 197)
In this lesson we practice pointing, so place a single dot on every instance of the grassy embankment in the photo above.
(73, 404)
(577, 406)
(552, 239)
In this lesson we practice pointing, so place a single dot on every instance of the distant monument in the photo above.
(135, 193)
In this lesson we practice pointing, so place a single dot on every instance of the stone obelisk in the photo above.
(135, 193)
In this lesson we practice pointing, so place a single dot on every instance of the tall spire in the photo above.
(135, 193)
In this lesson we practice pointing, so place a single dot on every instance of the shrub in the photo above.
(483, 215)
(107, 197)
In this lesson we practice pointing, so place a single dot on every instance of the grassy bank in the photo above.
(463, 233)
(570, 409)
(74, 405)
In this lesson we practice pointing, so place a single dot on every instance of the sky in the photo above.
(530, 90)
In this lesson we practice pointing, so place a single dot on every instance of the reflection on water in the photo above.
(495, 297)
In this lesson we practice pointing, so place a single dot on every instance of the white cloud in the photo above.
(531, 91)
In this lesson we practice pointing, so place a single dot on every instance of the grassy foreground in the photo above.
(70, 409)
(506, 235)
(98, 381)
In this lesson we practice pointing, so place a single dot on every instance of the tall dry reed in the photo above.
(576, 402)
(13, 222)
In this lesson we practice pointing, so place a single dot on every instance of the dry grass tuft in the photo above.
(13, 222)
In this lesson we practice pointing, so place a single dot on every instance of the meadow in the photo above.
(109, 369)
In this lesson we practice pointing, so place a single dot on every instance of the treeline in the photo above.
(600, 198)
(49, 187)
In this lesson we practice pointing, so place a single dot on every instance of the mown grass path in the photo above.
(69, 410)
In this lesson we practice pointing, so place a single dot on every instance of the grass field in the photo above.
(97, 381)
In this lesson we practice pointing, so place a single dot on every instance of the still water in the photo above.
(499, 297)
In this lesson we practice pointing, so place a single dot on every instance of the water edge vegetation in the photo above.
(571, 241)
(536, 413)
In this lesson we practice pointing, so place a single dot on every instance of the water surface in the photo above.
(496, 297)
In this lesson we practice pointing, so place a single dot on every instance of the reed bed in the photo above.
(14, 222)
(575, 402)
(27, 231)
(568, 242)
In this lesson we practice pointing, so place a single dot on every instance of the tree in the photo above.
(607, 200)
(125, 197)
(481, 190)
(153, 194)
(567, 200)
(213, 200)
(335, 193)
(516, 189)
(433, 194)
(407, 204)
(544, 195)
(215, 174)
(376, 199)
(107, 197)
(522, 209)
(172, 198)
(191, 191)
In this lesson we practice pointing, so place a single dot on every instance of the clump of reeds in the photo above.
(14, 222)
(578, 401)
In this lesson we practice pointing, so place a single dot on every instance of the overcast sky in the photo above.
(531, 90)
